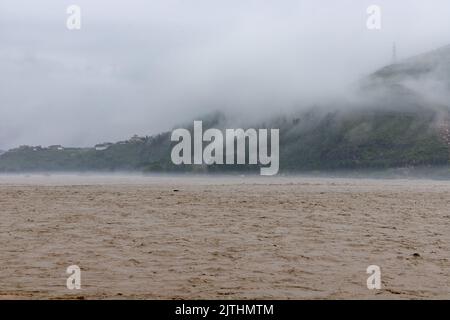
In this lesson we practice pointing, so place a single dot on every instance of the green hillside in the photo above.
(310, 141)
(396, 121)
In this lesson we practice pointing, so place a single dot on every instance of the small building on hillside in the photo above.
(56, 147)
(102, 146)
(136, 138)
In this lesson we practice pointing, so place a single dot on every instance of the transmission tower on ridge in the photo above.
(394, 53)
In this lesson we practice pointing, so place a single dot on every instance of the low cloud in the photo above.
(144, 66)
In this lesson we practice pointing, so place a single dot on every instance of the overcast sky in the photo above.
(142, 66)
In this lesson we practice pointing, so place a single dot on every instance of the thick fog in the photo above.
(141, 66)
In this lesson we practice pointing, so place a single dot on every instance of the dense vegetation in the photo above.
(310, 141)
